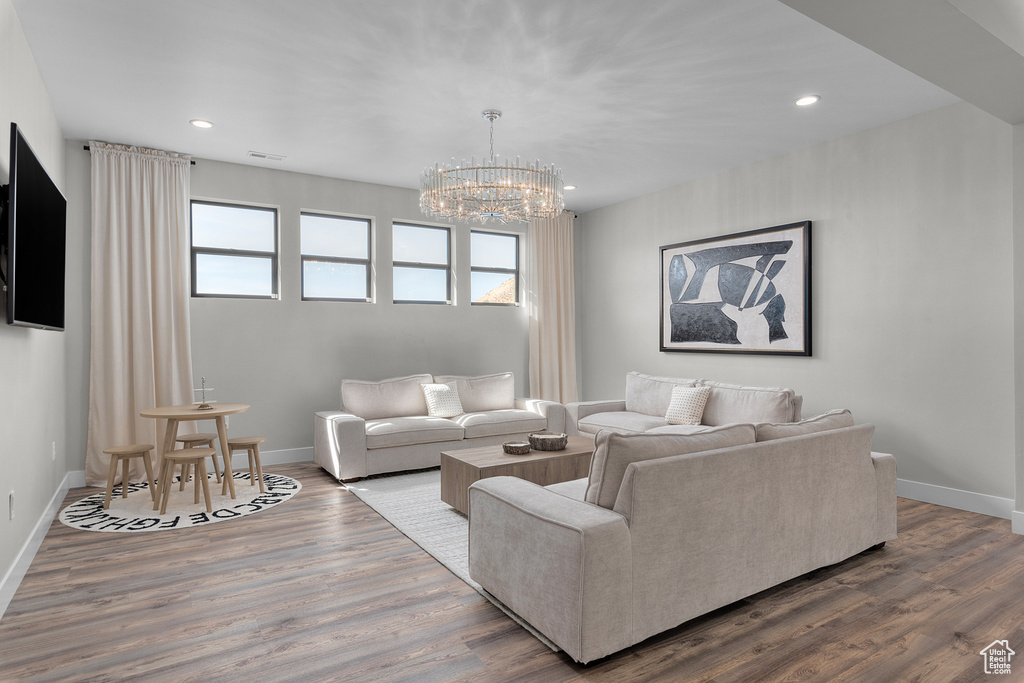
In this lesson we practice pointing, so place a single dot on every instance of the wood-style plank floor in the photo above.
(322, 588)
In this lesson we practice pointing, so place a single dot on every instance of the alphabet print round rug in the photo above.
(135, 513)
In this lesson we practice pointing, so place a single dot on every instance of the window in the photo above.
(335, 257)
(234, 251)
(422, 264)
(494, 269)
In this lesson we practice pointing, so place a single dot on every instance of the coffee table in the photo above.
(460, 468)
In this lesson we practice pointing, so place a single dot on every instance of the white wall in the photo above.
(286, 357)
(913, 322)
(32, 362)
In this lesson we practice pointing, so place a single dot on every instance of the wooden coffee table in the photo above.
(460, 468)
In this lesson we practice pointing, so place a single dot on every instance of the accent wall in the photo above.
(913, 299)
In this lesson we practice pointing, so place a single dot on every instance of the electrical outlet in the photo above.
(227, 422)
(53, 451)
(10, 503)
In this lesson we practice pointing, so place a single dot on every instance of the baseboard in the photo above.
(23, 560)
(961, 500)
(280, 457)
(1017, 522)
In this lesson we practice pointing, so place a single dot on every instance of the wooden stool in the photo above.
(123, 454)
(195, 441)
(251, 444)
(185, 457)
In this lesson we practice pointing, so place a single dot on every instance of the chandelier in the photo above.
(491, 190)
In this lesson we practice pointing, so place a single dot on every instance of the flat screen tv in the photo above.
(35, 224)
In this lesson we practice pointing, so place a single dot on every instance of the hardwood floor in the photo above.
(322, 588)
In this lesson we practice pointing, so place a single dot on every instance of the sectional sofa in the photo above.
(668, 527)
(386, 426)
(645, 407)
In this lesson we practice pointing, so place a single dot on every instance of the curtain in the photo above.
(552, 302)
(140, 349)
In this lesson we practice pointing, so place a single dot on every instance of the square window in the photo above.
(234, 251)
(494, 269)
(335, 257)
(422, 264)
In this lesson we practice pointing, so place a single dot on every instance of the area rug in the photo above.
(412, 503)
(136, 514)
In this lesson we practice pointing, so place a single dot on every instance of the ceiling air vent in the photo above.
(265, 156)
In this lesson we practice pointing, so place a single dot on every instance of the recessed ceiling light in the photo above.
(569, 187)
(807, 100)
(199, 123)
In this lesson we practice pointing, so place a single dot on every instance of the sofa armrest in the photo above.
(576, 411)
(885, 479)
(563, 565)
(339, 444)
(554, 412)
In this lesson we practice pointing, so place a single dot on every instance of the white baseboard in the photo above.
(961, 500)
(281, 457)
(22, 561)
(1017, 522)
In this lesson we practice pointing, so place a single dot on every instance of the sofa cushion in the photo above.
(497, 422)
(687, 405)
(403, 431)
(442, 400)
(729, 403)
(651, 395)
(614, 452)
(679, 429)
(833, 419)
(486, 392)
(620, 421)
(396, 397)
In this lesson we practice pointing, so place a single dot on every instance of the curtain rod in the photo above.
(190, 161)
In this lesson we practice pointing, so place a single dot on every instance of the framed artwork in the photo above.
(749, 292)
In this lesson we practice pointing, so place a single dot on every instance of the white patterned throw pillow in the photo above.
(687, 405)
(442, 400)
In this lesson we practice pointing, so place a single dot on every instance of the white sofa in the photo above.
(647, 400)
(385, 426)
(668, 527)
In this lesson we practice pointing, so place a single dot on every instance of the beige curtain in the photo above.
(552, 302)
(140, 351)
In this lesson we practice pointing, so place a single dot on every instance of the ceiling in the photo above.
(625, 97)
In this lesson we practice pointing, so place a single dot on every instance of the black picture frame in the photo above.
(747, 293)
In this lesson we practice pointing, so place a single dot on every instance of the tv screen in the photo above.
(36, 230)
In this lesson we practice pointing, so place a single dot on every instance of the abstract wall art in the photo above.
(749, 292)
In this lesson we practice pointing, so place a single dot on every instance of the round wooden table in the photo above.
(217, 411)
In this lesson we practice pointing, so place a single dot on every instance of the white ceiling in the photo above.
(626, 97)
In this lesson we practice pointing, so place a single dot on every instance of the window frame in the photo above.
(273, 256)
(481, 269)
(367, 262)
(422, 266)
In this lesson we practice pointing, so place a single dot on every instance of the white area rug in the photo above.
(412, 503)
(135, 513)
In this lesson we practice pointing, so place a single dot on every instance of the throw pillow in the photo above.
(687, 405)
(442, 400)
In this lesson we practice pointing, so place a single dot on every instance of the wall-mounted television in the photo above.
(35, 223)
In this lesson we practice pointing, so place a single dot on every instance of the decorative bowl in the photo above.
(516, 447)
(544, 441)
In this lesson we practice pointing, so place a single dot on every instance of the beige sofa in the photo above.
(385, 426)
(647, 399)
(669, 527)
